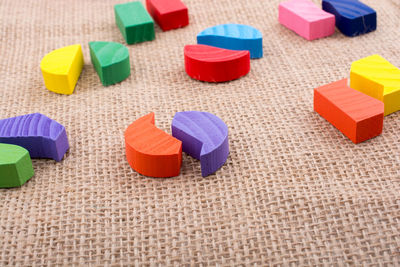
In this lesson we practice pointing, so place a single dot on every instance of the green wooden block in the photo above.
(111, 61)
(15, 166)
(134, 22)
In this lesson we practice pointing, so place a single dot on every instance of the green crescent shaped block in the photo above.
(15, 166)
(134, 22)
(111, 61)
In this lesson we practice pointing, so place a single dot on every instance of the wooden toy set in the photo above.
(223, 52)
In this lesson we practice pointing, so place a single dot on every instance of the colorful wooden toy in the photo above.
(40, 135)
(204, 136)
(169, 14)
(134, 22)
(234, 37)
(150, 151)
(356, 115)
(377, 77)
(213, 64)
(61, 69)
(111, 61)
(306, 19)
(352, 16)
(15, 166)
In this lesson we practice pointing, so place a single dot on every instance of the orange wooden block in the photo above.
(356, 115)
(150, 151)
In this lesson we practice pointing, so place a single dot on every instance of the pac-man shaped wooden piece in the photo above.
(356, 115)
(204, 136)
(213, 64)
(15, 166)
(306, 19)
(150, 151)
(61, 69)
(377, 77)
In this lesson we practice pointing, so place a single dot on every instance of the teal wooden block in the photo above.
(134, 22)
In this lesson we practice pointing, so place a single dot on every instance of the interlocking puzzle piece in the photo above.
(40, 135)
(169, 14)
(150, 151)
(306, 19)
(377, 77)
(134, 22)
(356, 115)
(213, 64)
(111, 61)
(15, 166)
(234, 37)
(204, 136)
(61, 69)
(352, 16)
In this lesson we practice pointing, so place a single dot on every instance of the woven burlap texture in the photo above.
(294, 190)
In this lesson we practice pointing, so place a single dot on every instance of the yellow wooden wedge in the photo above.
(61, 69)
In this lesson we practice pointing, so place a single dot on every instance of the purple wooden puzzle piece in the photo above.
(40, 135)
(204, 136)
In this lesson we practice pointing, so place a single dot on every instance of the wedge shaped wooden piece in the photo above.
(61, 69)
(111, 61)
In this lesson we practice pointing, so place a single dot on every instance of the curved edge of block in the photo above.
(150, 151)
(204, 137)
(213, 64)
(111, 61)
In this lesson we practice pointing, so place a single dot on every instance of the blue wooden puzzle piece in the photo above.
(233, 37)
(204, 136)
(40, 135)
(352, 16)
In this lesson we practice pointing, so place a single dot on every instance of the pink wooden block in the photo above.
(306, 19)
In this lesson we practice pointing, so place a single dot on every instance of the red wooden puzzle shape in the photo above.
(213, 64)
(169, 14)
(356, 115)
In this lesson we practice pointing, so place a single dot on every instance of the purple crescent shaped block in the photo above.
(204, 136)
(40, 135)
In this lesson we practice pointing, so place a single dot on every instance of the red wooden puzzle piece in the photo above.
(213, 64)
(169, 14)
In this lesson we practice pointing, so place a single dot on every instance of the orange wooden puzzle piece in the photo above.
(356, 115)
(150, 151)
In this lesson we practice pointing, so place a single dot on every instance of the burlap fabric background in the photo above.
(294, 190)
